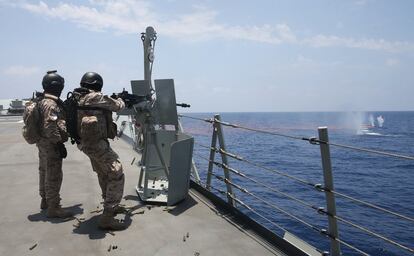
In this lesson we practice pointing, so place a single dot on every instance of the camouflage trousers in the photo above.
(50, 173)
(105, 162)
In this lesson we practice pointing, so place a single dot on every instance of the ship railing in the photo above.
(331, 232)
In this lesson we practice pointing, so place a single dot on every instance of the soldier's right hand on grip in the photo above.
(114, 96)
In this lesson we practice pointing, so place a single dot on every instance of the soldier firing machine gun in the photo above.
(167, 153)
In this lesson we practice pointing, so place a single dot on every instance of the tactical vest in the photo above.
(31, 119)
(94, 123)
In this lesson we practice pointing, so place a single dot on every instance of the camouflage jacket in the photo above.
(103, 126)
(53, 124)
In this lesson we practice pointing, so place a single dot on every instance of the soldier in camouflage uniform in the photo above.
(51, 148)
(95, 126)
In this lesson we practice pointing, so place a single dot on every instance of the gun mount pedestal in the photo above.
(167, 155)
(155, 183)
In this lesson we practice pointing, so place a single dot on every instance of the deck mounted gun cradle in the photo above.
(167, 153)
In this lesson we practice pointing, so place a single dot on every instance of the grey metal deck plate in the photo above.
(155, 232)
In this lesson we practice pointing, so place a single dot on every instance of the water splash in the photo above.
(380, 121)
(353, 121)
(371, 120)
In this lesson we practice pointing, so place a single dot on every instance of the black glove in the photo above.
(62, 150)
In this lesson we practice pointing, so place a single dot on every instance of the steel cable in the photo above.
(320, 231)
(374, 234)
(311, 206)
(258, 130)
(266, 202)
(263, 167)
(311, 140)
(241, 174)
(197, 118)
(378, 152)
(367, 204)
(278, 191)
(248, 207)
(307, 223)
(372, 206)
(349, 246)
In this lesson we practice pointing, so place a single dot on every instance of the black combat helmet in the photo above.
(53, 83)
(92, 80)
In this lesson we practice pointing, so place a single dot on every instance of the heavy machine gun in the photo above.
(131, 99)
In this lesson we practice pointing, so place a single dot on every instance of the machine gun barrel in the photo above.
(130, 99)
(183, 105)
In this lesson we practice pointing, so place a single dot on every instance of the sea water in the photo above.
(382, 180)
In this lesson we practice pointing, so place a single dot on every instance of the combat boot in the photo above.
(108, 222)
(58, 212)
(119, 209)
(43, 204)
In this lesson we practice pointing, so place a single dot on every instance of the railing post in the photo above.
(212, 154)
(224, 160)
(329, 186)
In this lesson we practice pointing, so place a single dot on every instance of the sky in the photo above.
(224, 55)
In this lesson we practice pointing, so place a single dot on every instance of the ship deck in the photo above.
(152, 230)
